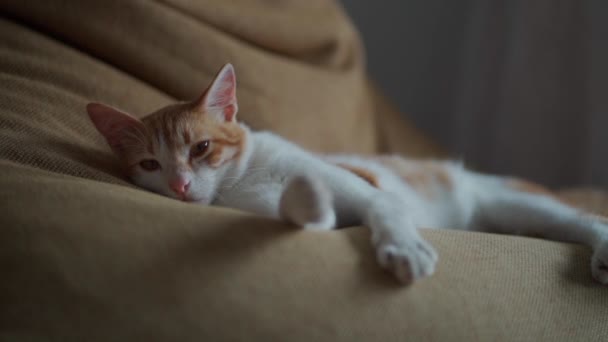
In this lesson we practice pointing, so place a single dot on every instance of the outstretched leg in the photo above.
(307, 202)
(513, 207)
(339, 197)
(399, 246)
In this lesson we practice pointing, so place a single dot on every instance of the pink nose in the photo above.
(179, 186)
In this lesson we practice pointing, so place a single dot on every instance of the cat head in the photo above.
(183, 151)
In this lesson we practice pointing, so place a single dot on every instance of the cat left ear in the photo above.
(220, 97)
(113, 124)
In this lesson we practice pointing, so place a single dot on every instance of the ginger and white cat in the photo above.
(198, 152)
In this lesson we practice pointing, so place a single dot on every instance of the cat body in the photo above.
(197, 152)
(273, 162)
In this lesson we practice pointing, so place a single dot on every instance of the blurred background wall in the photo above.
(510, 86)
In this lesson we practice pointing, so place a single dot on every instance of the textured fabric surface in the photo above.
(314, 78)
(86, 256)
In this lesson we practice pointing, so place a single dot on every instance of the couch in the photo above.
(86, 256)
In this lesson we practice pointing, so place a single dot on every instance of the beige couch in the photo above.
(85, 256)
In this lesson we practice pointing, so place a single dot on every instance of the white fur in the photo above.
(275, 178)
(281, 180)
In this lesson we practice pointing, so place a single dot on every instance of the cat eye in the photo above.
(149, 164)
(199, 149)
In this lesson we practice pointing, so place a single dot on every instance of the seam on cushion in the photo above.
(233, 36)
(65, 40)
(192, 18)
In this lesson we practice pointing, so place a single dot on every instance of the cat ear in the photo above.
(220, 98)
(112, 123)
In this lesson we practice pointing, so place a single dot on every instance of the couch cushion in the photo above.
(86, 256)
(84, 260)
(308, 85)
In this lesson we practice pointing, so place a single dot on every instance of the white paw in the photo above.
(599, 263)
(307, 202)
(410, 259)
(399, 246)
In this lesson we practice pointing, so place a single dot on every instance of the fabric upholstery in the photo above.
(84, 255)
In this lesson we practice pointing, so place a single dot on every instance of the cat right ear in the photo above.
(112, 123)
(220, 98)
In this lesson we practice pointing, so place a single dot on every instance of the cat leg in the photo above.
(399, 246)
(311, 203)
(505, 208)
(307, 202)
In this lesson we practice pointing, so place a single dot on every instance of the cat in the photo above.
(198, 152)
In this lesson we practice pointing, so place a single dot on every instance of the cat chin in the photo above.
(200, 201)
(192, 199)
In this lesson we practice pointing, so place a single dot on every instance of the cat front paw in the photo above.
(599, 263)
(410, 259)
(307, 202)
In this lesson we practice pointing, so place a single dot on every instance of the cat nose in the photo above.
(179, 186)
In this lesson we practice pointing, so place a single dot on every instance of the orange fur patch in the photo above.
(181, 125)
(536, 189)
(230, 138)
(529, 187)
(422, 176)
(366, 175)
